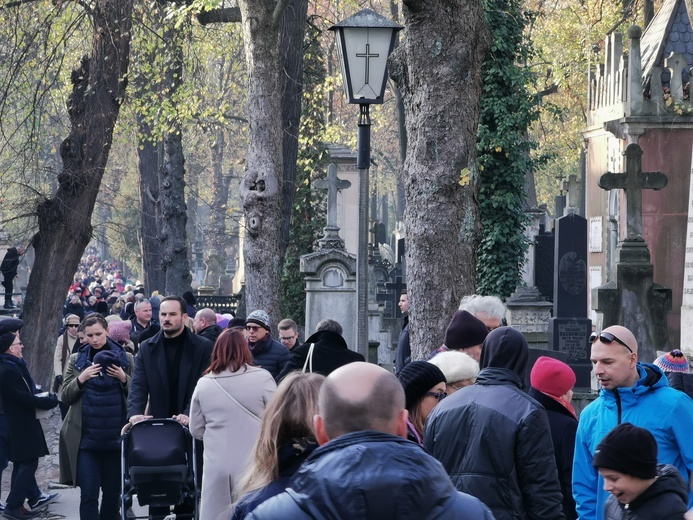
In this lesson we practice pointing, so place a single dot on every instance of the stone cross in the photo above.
(633, 182)
(573, 187)
(332, 184)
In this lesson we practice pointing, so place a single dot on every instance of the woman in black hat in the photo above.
(424, 388)
(95, 387)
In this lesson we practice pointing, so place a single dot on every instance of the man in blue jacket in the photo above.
(631, 392)
(365, 468)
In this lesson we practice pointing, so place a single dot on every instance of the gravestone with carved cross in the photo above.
(631, 298)
(331, 238)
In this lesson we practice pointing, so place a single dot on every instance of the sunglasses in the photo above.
(249, 327)
(73, 325)
(607, 338)
(438, 395)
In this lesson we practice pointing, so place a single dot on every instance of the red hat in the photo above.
(552, 377)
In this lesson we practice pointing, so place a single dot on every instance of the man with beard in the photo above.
(186, 356)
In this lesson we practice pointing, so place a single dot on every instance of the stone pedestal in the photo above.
(529, 313)
(687, 300)
(634, 301)
(330, 277)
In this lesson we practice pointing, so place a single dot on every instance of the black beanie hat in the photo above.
(465, 331)
(106, 358)
(417, 378)
(8, 332)
(629, 450)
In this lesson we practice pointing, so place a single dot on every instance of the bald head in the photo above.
(624, 335)
(204, 318)
(361, 396)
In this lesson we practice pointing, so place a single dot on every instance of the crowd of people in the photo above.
(310, 430)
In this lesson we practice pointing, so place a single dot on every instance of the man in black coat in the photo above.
(9, 271)
(167, 368)
(27, 441)
(492, 438)
(329, 351)
(205, 324)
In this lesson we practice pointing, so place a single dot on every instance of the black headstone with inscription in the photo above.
(569, 329)
(544, 247)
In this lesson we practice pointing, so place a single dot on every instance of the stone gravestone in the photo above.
(631, 298)
(569, 329)
(687, 303)
(528, 311)
(544, 251)
(330, 272)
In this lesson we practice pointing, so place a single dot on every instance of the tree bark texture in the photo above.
(174, 216)
(293, 34)
(217, 236)
(64, 221)
(150, 213)
(437, 67)
(260, 188)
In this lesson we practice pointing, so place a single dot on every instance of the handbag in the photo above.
(309, 360)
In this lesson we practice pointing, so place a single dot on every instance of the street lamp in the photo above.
(365, 41)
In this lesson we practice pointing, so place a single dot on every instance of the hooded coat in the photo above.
(651, 404)
(491, 436)
(665, 499)
(329, 353)
(370, 475)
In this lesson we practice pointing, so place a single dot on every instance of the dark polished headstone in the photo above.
(570, 267)
(570, 336)
(569, 329)
(544, 251)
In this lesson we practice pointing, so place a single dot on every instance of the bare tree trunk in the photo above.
(174, 217)
(441, 87)
(64, 221)
(260, 188)
(293, 34)
(400, 199)
(220, 196)
(150, 216)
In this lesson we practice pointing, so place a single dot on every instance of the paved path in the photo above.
(47, 476)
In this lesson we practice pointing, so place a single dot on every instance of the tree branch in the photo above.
(222, 15)
(279, 12)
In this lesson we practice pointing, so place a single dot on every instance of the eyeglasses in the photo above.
(250, 327)
(607, 338)
(438, 395)
(456, 387)
(73, 325)
(287, 339)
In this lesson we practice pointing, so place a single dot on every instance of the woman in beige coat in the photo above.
(225, 414)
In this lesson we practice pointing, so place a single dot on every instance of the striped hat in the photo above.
(673, 361)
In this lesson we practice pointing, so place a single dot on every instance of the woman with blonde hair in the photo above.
(286, 439)
(225, 413)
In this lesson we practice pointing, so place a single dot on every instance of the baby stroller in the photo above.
(159, 466)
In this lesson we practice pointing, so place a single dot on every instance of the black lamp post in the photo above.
(365, 41)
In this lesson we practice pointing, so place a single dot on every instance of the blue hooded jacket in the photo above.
(651, 404)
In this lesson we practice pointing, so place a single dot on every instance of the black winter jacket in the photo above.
(681, 381)
(211, 333)
(270, 355)
(150, 378)
(371, 476)
(563, 426)
(492, 437)
(17, 388)
(665, 499)
(330, 353)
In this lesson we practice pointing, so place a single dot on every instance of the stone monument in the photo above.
(330, 272)
(631, 298)
(569, 329)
